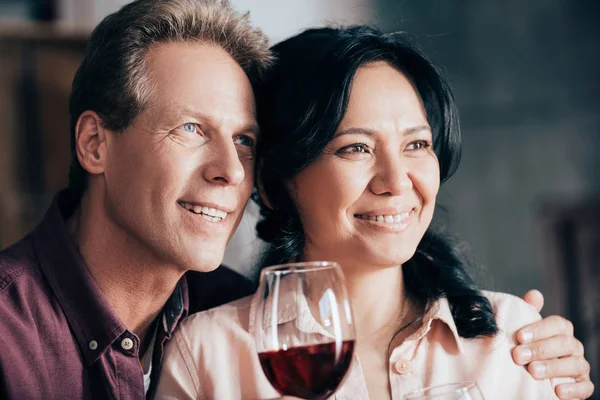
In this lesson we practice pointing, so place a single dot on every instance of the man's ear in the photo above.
(90, 142)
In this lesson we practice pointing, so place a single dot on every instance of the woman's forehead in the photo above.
(381, 94)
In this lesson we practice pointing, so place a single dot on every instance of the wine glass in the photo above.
(303, 327)
(449, 391)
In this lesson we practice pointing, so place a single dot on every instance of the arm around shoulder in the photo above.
(512, 313)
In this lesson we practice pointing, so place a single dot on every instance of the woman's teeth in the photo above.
(386, 219)
(208, 213)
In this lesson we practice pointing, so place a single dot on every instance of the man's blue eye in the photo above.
(189, 127)
(246, 141)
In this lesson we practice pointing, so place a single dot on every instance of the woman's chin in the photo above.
(378, 262)
(393, 258)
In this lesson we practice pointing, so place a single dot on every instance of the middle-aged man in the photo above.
(163, 128)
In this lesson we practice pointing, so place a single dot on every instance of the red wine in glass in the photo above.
(303, 328)
(309, 372)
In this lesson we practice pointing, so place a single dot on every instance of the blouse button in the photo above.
(402, 367)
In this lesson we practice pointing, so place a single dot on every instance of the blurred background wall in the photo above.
(525, 74)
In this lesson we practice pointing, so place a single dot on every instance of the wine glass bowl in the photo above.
(303, 327)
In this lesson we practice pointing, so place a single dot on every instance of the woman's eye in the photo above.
(419, 145)
(355, 148)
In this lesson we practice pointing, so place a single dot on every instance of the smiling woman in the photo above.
(373, 133)
(368, 198)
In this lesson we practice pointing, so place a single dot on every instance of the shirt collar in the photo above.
(94, 324)
(176, 308)
(439, 310)
(297, 310)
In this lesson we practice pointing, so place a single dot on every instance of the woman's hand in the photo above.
(550, 350)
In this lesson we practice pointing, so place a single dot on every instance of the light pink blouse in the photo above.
(213, 356)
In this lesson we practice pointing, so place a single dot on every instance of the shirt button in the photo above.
(93, 345)
(402, 367)
(127, 344)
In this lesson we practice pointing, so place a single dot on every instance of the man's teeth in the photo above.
(386, 219)
(211, 214)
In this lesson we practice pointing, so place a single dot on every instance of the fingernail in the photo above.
(525, 354)
(539, 369)
(564, 391)
(526, 336)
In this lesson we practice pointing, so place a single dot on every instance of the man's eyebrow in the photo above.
(248, 127)
(251, 127)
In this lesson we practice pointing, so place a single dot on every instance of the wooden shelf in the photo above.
(39, 61)
(22, 30)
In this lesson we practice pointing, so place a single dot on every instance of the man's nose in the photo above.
(225, 167)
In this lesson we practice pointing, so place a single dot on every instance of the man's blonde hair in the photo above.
(112, 79)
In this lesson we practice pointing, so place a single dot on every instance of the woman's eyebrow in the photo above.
(370, 132)
(355, 131)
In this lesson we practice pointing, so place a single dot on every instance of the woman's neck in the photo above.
(380, 303)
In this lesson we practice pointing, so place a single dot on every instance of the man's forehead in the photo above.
(200, 82)
(200, 61)
(194, 69)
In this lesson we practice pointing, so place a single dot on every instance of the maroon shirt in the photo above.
(59, 337)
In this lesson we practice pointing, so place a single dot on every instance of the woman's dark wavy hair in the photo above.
(300, 106)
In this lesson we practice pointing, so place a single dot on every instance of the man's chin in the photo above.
(205, 267)
(198, 253)
(205, 262)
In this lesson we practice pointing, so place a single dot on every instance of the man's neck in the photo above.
(131, 278)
